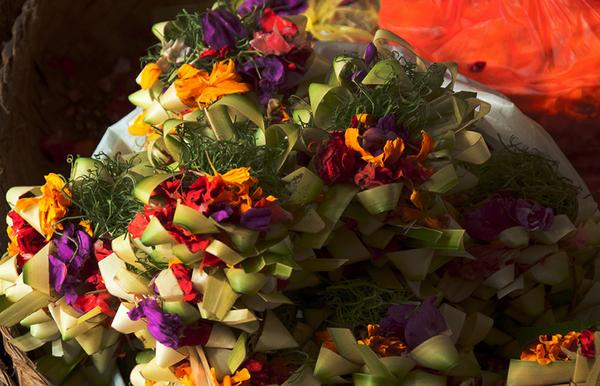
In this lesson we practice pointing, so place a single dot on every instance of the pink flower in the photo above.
(271, 43)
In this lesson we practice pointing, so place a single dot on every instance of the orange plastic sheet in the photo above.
(546, 48)
(543, 54)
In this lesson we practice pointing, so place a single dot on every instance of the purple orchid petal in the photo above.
(426, 322)
(358, 76)
(221, 212)
(165, 327)
(281, 7)
(221, 29)
(387, 123)
(267, 73)
(374, 139)
(370, 54)
(257, 219)
(533, 216)
(58, 273)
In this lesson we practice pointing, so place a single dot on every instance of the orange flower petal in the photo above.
(393, 150)
(138, 127)
(197, 87)
(149, 75)
(426, 146)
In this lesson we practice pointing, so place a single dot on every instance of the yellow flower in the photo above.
(184, 373)
(236, 379)
(13, 245)
(548, 349)
(197, 88)
(140, 128)
(392, 149)
(385, 346)
(149, 75)
(53, 204)
(86, 225)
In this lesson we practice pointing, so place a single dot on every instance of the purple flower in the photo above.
(370, 54)
(358, 76)
(73, 250)
(533, 216)
(503, 211)
(387, 122)
(257, 219)
(164, 327)
(281, 7)
(221, 211)
(267, 73)
(414, 323)
(222, 29)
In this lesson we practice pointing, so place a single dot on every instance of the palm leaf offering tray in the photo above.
(275, 214)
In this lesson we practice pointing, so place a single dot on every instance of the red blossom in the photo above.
(102, 248)
(336, 162)
(210, 261)
(586, 340)
(270, 20)
(29, 241)
(184, 280)
(86, 303)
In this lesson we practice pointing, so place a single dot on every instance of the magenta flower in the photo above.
(370, 54)
(281, 7)
(503, 211)
(414, 323)
(533, 216)
(222, 29)
(267, 73)
(165, 327)
(73, 250)
(257, 219)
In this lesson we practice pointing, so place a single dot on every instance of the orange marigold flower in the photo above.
(325, 338)
(238, 379)
(184, 373)
(385, 346)
(53, 204)
(138, 127)
(198, 88)
(548, 349)
(149, 75)
(13, 245)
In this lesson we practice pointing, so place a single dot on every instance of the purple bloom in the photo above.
(503, 211)
(414, 323)
(370, 54)
(221, 29)
(387, 122)
(164, 327)
(533, 216)
(73, 251)
(281, 7)
(358, 76)
(221, 211)
(257, 219)
(267, 73)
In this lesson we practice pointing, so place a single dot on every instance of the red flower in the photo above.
(197, 334)
(85, 303)
(102, 248)
(270, 20)
(372, 175)
(586, 340)
(183, 278)
(29, 241)
(336, 162)
(137, 226)
(210, 261)
(208, 53)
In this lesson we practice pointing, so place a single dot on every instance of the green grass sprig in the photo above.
(527, 173)
(202, 153)
(359, 302)
(105, 196)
